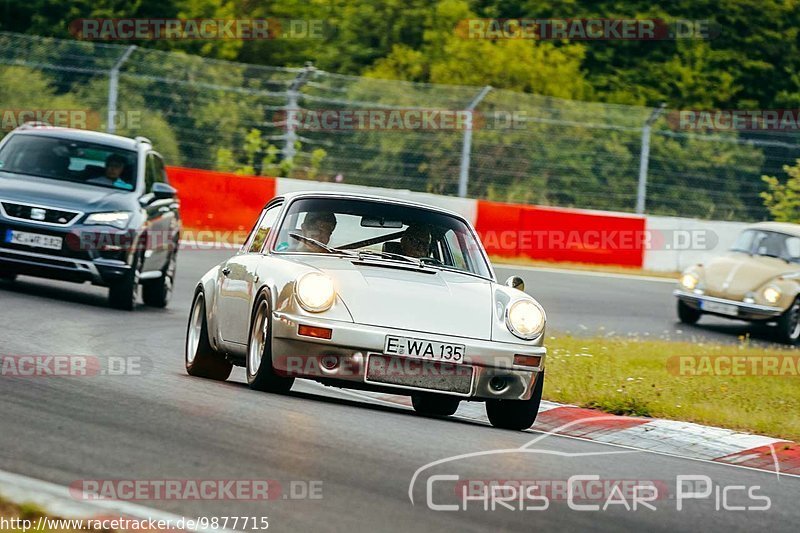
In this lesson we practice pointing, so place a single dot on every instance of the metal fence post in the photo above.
(113, 82)
(466, 147)
(292, 95)
(644, 159)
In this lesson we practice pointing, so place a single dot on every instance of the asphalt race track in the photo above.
(163, 424)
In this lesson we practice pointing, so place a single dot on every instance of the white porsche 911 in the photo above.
(371, 293)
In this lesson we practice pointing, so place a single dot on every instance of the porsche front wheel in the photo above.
(516, 414)
(261, 375)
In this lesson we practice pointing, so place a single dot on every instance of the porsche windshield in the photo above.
(769, 244)
(381, 231)
(69, 160)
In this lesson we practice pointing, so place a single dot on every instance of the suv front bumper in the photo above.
(98, 271)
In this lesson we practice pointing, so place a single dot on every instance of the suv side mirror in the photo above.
(163, 191)
(515, 282)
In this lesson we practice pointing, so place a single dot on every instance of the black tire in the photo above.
(789, 324)
(201, 359)
(434, 404)
(516, 414)
(157, 292)
(686, 314)
(261, 376)
(7, 276)
(122, 295)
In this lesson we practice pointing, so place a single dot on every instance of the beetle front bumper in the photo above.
(353, 357)
(728, 308)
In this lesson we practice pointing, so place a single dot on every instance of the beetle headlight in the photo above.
(118, 219)
(525, 319)
(315, 292)
(772, 294)
(689, 281)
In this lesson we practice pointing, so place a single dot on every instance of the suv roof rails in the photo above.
(144, 140)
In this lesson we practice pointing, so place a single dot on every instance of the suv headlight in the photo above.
(525, 319)
(315, 292)
(118, 219)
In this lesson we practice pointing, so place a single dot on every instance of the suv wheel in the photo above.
(156, 293)
(122, 295)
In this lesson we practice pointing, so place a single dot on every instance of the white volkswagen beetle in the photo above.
(371, 293)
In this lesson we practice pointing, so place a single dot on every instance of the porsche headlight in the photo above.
(772, 294)
(118, 219)
(315, 292)
(525, 319)
(689, 281)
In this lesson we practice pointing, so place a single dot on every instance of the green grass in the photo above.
(630, 377)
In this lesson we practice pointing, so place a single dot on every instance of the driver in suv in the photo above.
(84, 206)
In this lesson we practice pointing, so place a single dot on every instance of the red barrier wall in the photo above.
(558, 234)
(219, 200)
(229, 202)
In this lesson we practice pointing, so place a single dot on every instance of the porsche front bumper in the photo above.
(487, 371)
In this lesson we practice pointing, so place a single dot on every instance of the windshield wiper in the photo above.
(389, 255)
(320, 245)
(776, 256)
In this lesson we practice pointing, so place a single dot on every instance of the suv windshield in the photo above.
(769, 244)
(381, 231)
(69, 160)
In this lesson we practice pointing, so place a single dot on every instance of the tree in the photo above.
(783, 199)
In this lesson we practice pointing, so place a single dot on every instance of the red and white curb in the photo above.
(682, 439)
(57, 501)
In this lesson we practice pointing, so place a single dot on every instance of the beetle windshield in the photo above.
(769, 244)
(382, 232)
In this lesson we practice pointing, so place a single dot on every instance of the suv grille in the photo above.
(41, 215)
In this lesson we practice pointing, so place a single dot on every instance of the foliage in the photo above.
(752, 42)
(783, 199)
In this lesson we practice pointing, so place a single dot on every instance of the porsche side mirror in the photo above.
(515, 282)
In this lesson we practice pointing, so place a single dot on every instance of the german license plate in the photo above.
(423, 349)
(722, 309)
(34, 239)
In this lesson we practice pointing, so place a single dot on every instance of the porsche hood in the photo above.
(432, 301)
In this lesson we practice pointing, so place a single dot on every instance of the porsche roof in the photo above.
(360, 196)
